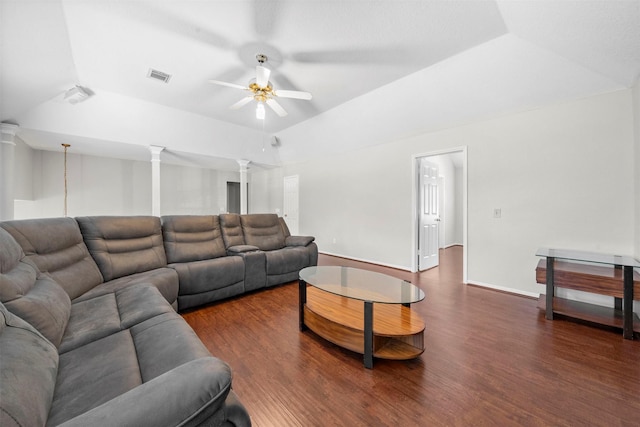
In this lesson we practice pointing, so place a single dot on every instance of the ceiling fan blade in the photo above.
(296, 94)
(262, 76)
(233, 85)
(276, 107)
(242, 102)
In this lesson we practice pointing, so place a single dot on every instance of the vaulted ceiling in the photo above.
(378, 62)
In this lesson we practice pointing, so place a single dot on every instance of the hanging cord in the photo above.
(66, 146)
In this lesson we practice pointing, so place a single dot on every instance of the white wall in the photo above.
(193, 191)
(108, 186)
(96, 186)
(636, 122)
(558, 174)
(23, 176)
(266, 191)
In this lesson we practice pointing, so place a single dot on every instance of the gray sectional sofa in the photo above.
(89, 333)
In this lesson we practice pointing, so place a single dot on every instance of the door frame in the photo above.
(415, 189)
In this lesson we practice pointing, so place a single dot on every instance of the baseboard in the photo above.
(534, 295)
(397, 267)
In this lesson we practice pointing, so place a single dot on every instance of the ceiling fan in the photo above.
(262, 91)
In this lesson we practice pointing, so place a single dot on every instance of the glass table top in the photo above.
(588, 257)
(362, 284)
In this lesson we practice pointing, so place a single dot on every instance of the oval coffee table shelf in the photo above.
(398, 332)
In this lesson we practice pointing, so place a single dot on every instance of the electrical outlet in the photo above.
(334, 240)
(497, 213)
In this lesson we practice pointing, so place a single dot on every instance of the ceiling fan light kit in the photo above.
(262, 91)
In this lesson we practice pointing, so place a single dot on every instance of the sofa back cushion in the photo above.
(35, 298)
(192, 238)
(57, 249)
(263, 231)
(231, 230)
(28, 370)
(124, 245)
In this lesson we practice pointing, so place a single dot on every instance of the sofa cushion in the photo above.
(123, 245)
(192, 238)
(201, 276)
(231, 230)
(104, 315)
(197, 393)
(164, 279)
(35, 298)
(56, 247)
(263, 231)
(28, 368)
(286, 260)
(93, 374)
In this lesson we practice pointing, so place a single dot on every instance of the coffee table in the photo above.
(338, 303)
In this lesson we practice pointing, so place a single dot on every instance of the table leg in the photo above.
(368, 334)
(302, 292)
(627, 304)
(550, 289)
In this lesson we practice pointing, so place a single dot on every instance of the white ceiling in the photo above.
(368, 64)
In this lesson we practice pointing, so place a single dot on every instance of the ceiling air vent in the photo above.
(158, 75)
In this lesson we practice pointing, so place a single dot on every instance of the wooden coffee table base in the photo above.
(398, 333)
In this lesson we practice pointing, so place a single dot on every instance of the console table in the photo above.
(603, 274)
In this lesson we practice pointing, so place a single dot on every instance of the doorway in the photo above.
(291, 203)
(233, 197)
(439, 206)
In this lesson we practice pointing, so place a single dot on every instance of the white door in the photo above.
(290, 203)
(429, 216)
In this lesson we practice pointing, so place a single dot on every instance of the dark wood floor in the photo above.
(491, 359)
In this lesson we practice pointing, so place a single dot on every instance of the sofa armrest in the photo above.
(238, 249)
(184, 396)
(299, 240)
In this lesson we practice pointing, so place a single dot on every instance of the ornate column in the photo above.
(7, 160)
(243, 185)
(155, 179)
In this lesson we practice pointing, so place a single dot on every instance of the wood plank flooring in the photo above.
(491, 359)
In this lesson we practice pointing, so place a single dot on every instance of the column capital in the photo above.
(155, 152)
(243, 164)
(9, 131)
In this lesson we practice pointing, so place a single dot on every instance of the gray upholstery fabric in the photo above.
(94, 374)
(231, 230)
(56, 247)
(194, 300)
(204, 277)
(255, 270)
(28, 368)
(192, 238)
(263, 231)
(46, 307)
(285, 227)
(124, 245)
(313, 254)
(165, 279)
(235, 412)
(33, 297)
(286, 260)
(107, 368)
(107, 314)
(239, 249)
(299, 240)
(190, 394)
